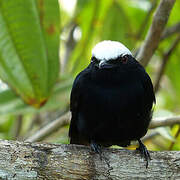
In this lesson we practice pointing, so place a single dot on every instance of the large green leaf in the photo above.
(29, 43)
(11, 104)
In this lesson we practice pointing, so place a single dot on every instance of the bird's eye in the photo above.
(124, 59)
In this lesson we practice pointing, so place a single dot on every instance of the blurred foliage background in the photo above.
(40, 29)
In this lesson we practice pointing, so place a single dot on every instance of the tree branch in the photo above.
(154, 34)
(166, 57)
(164, 121)
(65, 120)
(49, 128)
(170, 31)
(20, 160)
(70, 45)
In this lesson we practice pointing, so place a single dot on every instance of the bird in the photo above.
(111, 100)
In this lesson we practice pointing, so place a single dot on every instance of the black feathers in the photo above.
(111, 104)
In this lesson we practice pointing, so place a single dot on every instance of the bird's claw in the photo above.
(96, 148)
(144, 152)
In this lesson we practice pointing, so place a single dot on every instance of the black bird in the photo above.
(111, 100)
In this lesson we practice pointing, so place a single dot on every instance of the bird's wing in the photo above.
(79, 87)
(148, 86)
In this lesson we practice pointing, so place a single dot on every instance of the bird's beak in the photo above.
(105, 65)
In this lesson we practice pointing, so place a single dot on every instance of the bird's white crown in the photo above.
(107, 49)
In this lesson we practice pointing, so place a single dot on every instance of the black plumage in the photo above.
(111, 104)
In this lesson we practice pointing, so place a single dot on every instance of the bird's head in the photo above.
(108, 54)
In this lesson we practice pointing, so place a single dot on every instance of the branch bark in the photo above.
(154, 34)
(166, 121)
(20, 160)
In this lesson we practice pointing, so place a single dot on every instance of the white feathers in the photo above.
(106, 50)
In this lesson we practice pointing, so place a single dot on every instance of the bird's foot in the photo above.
(95, 147)
(144, 152)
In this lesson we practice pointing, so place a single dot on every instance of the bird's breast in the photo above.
(110, 92)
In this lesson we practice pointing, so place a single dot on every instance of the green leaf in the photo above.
(50, 22)
(10, 103)
(29, 45)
